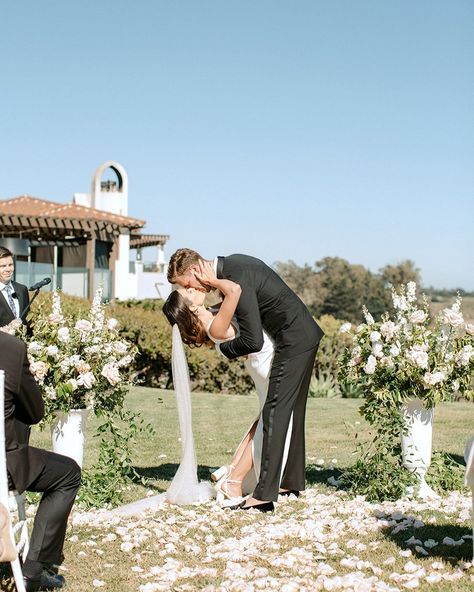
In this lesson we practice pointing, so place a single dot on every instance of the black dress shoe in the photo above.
(47, 581)
(265, 507)
(289, 492)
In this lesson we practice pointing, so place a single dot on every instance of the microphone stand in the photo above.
(27, 307)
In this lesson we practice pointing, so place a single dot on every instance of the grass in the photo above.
(309, 542)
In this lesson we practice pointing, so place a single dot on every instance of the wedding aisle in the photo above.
(322, 541)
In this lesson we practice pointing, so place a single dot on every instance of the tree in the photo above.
(402, 273)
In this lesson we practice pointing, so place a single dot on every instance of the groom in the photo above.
(266, 303)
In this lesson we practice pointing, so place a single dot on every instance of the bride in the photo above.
(201, 326)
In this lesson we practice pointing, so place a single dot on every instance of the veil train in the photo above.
(185, 487)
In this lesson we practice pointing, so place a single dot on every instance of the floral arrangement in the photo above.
(80, 363)
(409, 355)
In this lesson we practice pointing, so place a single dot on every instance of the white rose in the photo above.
(82, 367)
(120, 347)
(52, 351)
(371, 364)
(394, 351)
(39, 370)
(63, 334)
(418, 356)
(432, 378)
(452, 317)
(112, 324)
(34, 347)
(418, 316)
(377, 349)
(125, 361)
(375, 336)
(86, 380)
(83, 326)
(56, 318)
(388, 329)
(111, 373)
(470, 328)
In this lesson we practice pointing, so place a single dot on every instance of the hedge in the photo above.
(142, 322)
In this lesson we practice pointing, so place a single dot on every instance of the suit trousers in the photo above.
(287, 394)
(58, 481)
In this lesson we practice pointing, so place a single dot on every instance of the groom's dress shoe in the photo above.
(47, 581)
(289, 492)
(265, 507)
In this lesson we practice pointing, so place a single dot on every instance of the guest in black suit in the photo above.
(267, 302)
(14, 298)
(57, 477)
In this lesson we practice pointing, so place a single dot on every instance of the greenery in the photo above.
(391, 361)
(80, 360)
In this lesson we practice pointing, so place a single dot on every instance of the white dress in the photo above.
(258, 365)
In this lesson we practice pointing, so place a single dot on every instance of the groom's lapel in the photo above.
(220, 267)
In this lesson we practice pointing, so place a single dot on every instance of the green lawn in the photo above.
(306, 544)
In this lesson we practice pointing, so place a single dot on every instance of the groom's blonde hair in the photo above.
(180, 262)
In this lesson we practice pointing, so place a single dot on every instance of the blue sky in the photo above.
(287, 130)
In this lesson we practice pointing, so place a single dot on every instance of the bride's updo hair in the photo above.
(178, 312)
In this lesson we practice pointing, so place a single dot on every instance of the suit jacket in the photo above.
(6, 314)
(266, 302)
(23, 405)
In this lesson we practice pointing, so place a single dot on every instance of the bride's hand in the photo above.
(206, 274)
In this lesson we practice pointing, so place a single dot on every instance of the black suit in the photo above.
(6, 314)
(266, 302)
(33, 469)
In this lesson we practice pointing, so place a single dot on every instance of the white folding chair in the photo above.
(15, 503)
(469, 478)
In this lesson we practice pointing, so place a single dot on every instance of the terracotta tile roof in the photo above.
(26, 205)
(138, 241)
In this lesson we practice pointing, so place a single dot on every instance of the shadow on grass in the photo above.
(166, 472)
(449, 553)
(458, 458)
(315, 474)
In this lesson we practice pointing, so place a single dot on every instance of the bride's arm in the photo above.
(219, 328)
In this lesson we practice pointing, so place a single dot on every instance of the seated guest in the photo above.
(56, 476)
(15, 296)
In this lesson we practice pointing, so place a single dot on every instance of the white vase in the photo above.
(416, 445)
(68, 432)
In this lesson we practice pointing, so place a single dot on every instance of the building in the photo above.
(86, 243)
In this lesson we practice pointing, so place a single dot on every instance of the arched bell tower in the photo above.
(110, 188)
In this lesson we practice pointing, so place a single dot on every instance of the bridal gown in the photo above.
(258, 365)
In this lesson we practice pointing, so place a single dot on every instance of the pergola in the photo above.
(49, 223)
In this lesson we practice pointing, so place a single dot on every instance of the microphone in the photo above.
(40, 284)
(14, 295)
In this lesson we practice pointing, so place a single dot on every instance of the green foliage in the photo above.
(323, 388)
(349, 390)
(378, 472)
(445, 474)
(103, 485)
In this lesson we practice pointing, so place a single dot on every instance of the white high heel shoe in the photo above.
(223, 497)
(221, 472)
